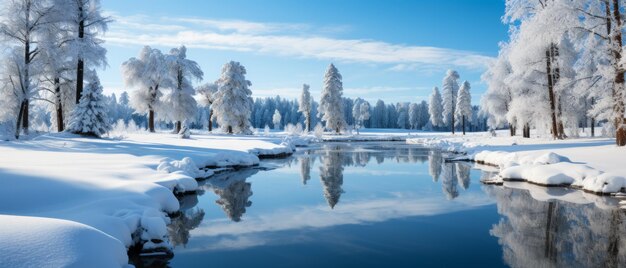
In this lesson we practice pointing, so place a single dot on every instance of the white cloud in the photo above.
(291, 40)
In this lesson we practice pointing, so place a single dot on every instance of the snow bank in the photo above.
(36, 242)
(589, 164)
(115, 193)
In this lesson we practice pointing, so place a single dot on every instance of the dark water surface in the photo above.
(389, 205)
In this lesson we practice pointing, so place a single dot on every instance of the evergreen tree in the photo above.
(90, 115)
(305, 103)
(179, 104)
(207, 94)
(464, 105)
(331, 103)
(450, 89)
(435, 108)
(276, 119)
(233, 101)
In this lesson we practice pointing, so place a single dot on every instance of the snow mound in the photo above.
(47, 242)
(604, 183)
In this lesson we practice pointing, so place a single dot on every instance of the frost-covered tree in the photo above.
(464, 111)
(276, 118)
(331, 104)
(450, 89)
(378, 115)
(90, 115)
(403, 115)
(413, 115)
(305, 103)
(22, 25)
(233, 101)
(149, 73)
(496, 101)
(207, 97)
(84, 19)
(179, 104)
(361, 113)
(435, 108)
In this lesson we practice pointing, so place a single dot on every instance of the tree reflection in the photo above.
(180, 226)
(233, 192)
(305, 169)
(434, 164)
(331, 175)
(463, 173)
(534, 233)
(449, 181)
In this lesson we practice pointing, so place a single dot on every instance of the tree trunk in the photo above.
(25, 117)
(59, 105)
(618, 85)
(178, 126)
(593, 127)
(452, 123)
(555, 131)
(80, 72)
(230, 130)
(151, 121)
(18, 125)
(526, 131)
(512, 130)
(308, 121)
(210, 120)
(463, 125)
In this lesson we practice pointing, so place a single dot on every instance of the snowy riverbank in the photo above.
(592, 164)
(82, 202)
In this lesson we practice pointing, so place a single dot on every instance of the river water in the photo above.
(389, 205)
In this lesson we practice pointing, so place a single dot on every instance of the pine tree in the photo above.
(464, 105)
(450, 89)
(90, 117)
(331, 104)
(305, 103)
(233, 101)
(435, 108)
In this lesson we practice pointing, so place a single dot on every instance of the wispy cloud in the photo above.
(282, 39)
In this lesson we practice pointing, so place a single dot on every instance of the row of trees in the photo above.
(51, 46)
(562, 69)
(453, 108)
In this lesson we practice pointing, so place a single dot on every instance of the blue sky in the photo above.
(393, 50)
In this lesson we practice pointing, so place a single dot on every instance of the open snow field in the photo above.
(75, 201)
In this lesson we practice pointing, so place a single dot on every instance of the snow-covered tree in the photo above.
(150, 73)
(233, 101)
(496, 101)
(413, 115)
(435, 108)
(90, 115)
(463, 111)
(276, 118)
(331, 104)
(450, 89)
(207, 97)
(84, 19)
(305, 103)
(361, 113)
(179, 104)
(22, 23)
(403, 115)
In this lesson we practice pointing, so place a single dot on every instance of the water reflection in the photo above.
(389, 198)
(331, 175)
(233, 192)
(536, 233)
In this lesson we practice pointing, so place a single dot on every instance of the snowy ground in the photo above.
(75, 201)
(593, 164)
